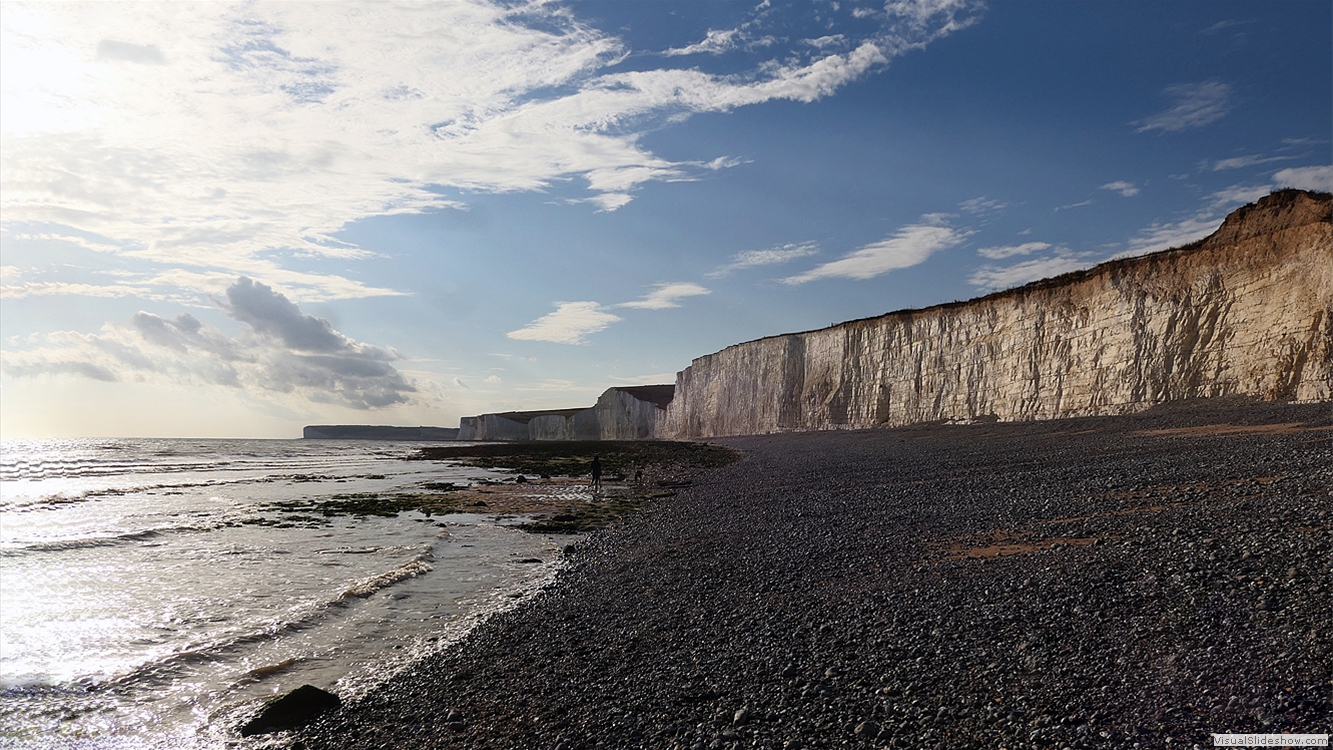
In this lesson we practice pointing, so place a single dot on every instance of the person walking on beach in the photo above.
(596, 472)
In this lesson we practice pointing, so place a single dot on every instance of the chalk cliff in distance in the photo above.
(1246, 311)
(635, 413)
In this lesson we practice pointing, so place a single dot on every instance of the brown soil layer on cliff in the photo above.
(925, 587)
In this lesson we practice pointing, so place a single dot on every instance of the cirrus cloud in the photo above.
(770, 257)
(910, 246)
(1196, 105)
(667, 295)
(571, 323)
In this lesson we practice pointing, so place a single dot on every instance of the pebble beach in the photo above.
(1133, 581)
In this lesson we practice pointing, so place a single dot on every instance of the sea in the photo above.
(155, 593)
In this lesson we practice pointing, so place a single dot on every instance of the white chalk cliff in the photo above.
(1247, 311)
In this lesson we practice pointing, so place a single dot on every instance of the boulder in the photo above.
(291, 710)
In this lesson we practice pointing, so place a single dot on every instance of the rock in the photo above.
(867, 730)
(741, 717)
(291, 710)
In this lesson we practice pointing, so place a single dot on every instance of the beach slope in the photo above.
(1090, 582)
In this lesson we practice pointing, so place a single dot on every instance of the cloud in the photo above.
(1165, 235)
(63, 288)
(1306, 178)
(1293, 142)
(236, 137)
(909, 246)
(666, 295)
(571, 323)
(1087, 202)
(1008, 251)
(1237, 195)
(282, 351)
(1196, 105)
(771, 257)
(992, 277)
(1238, 162)
(715, 42)
(272, 314)
(981, 205)
(109, 49)
(1220, 25)
(1126, 189)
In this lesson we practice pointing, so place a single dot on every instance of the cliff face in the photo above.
(634, 413)
(1247, 311)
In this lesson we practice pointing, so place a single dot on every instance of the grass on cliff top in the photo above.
(574, 457)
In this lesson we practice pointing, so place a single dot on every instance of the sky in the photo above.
(236, 219)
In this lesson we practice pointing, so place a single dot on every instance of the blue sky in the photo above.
(236, 219)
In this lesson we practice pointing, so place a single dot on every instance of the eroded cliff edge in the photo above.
(1247, 311)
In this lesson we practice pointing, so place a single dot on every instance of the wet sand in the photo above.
(1078, 583)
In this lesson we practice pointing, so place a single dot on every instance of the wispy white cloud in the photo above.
(571, 323)
(1009, 251)
(667, 295)
(1196, 105)
(715, 42)
(83, 242)
(1127, 189)
(910, 246)
(1236, 195)
(1221, 25)
(981, 205)
(823, 42)
(71, 289)
(1087, 202)
(991, 277)
(770, 257)
(281, 351)
(1239, 162)
(1166, 235)
(1318, 177)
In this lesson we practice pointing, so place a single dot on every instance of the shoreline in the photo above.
(1087, 582)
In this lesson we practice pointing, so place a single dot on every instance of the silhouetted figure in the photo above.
(596, 472)
(638, 477)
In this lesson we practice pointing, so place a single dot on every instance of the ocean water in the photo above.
(153, 593)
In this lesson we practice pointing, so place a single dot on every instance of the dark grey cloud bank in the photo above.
(283, 350)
